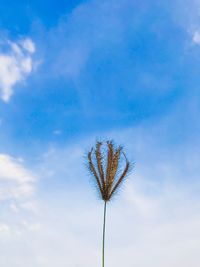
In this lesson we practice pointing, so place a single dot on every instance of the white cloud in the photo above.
(31, 226)
(196, 37)
(57, 132)
(11, 169)
(18, 201)
(14, 207)
(15, 65)
(16, 181)
(4, 229)
(163, 226)
(28, 45)
(167, 236)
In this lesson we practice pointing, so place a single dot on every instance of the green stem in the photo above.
(104, 228)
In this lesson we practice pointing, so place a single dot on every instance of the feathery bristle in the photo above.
(93, 170)
(123, 175)
(99, 159)
(115, 164)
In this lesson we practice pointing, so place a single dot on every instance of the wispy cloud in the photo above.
(17, 196)
(196, 37)
(92, 26)
(16, 181)
(15, 64)
(160, 226)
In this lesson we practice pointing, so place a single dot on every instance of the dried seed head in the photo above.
(104, 165)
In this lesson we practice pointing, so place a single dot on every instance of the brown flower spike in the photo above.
(104, 163)
(105, 169)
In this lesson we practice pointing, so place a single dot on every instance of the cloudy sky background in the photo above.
(76, 71)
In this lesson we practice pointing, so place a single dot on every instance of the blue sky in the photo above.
(75, 71)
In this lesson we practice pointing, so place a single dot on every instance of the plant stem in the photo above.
(104, 228)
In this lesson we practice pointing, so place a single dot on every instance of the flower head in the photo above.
(104, 162)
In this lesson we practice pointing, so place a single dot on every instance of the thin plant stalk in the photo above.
(109, 166)
(104, 231)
